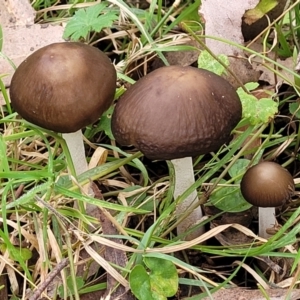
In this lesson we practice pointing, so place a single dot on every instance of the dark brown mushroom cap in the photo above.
(64, 86)
(176, 112)
(267, 184)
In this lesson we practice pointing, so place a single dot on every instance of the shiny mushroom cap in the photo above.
(267, 184)
(176, 112)
(64, 86)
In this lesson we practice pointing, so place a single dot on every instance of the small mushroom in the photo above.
(64, 87)
(174, 113)
(267, 185)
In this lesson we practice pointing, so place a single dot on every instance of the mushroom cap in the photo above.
(267, 184)
(176, 112)
(64, 86)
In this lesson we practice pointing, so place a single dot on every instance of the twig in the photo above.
(50, 277)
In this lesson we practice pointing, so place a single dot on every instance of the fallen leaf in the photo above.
(229, 14)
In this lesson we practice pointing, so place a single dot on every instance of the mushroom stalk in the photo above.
(184, 178)
(266, 219)
(76, 148)
(75, 145)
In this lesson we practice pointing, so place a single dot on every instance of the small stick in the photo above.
(50, 277)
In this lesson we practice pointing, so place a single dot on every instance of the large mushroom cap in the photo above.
(176, 112)
(63, 86)
(267, 184)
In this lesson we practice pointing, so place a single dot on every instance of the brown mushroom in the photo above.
(64, 87)
(174, 113)
(267, 185)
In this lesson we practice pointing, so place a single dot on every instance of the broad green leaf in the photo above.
(266, 109)
(229, 199)
(191, 17)
(239, 167)
(25, 253)
(295, 109)
(140, 283)
(157, 284)
(257, 110)
(250, 86)
(86, 20)
(207, 62)
(164, 277)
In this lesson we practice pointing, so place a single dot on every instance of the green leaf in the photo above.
(191, 17)
(229, 199)
(207, 62)
(15, 254)
(257, 111)
(164, 277)
(158, 284)
(250, 86)
(238, 168)
(295, 109)
(140, 283)
(25, 253)
(85, 20)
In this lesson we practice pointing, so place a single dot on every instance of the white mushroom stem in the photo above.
(76, 148)
(184, 179)
(266, 219)
(75, 145)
